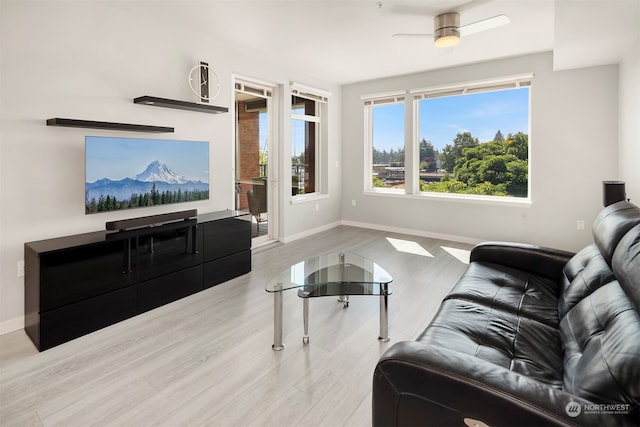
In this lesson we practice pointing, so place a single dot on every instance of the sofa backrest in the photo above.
(626, 267)
(590, 268)
(599, 312)
(612, 223)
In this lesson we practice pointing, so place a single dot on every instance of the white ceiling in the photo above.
(351, 40)
(589, 33)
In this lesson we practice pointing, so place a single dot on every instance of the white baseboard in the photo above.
(310, 232)
(11, 325)
(414, 232)
(399, 230)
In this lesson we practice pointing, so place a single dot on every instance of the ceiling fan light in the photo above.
(447, 38)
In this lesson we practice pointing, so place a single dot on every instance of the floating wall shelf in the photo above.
(180, 105)
(73, 123)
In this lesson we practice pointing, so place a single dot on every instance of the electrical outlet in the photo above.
(580, 224)
(353, 202)
(20, 268)
(317, 207)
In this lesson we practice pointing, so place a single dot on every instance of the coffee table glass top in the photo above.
(335, 268)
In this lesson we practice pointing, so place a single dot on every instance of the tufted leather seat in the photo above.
(528, 336)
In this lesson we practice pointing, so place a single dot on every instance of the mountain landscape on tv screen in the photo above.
(158, 184)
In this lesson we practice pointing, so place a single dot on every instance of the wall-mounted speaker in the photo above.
(612, 192)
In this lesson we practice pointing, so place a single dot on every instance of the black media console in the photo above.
(78, 284)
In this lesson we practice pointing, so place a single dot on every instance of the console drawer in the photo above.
(226, 237)
(74, 320)
(226, 268)
(74, 274)
(162, 290)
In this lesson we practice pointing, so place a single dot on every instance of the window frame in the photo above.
(306, 119)
(321, 99)
(369, 103)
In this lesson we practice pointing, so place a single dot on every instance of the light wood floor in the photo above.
(207, 359)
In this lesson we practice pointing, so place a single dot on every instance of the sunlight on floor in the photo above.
(461, 255)
(409, 247)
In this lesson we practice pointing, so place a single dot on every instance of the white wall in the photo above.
(88, 60)
(574, 131)
(629, 138)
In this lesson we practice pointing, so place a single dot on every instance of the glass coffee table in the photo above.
(335, 274)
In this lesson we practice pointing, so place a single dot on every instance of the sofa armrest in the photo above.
(416, 384)
(539, 260)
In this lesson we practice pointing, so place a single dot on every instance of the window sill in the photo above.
(383, 191)
(306, 198)
(457, 198)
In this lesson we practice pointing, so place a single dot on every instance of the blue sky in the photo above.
(441, 119)
(298, 136)
(118, 158)
(263, 129)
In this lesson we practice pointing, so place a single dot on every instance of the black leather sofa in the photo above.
(528, 336)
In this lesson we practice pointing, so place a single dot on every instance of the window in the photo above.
(307, 105)
(469, 139)
(384, 121)
(474, 139)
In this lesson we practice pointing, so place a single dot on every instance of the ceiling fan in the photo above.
(447, 30)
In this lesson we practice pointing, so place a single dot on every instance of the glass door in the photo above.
(255, 175)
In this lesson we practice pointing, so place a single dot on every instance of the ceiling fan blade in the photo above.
(412, 35)
(485, 24)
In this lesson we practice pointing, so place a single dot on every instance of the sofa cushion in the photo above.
(518, 292)
(516, 343)
(583, 274)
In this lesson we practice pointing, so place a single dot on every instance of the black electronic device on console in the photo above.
(127, 224)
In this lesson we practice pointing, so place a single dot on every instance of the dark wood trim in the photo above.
(91, 124)
(180, 105)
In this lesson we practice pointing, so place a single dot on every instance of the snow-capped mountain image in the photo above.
(157, 184)
(158, 171)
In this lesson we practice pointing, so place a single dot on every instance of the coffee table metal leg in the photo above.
(277, 321)
(384, 314)
(344, 299)
(305, 315)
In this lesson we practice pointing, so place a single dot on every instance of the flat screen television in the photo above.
(126, 173)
